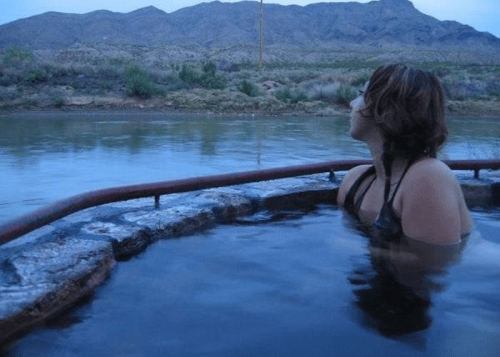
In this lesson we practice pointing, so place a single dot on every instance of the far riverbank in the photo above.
(196, 103)
(47, 80)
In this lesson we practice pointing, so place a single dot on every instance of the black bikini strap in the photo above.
(360, 198)
(349, 199)
(400, 180)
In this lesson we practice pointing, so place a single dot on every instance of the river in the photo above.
(52, 155)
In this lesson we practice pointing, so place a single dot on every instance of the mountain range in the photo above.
(377, 24)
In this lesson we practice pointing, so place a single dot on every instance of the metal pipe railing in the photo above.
(62, 208)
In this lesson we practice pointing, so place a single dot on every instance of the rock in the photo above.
(48, 278)
(477, 193)
(77, 101)
(127, 241)
(173, 222)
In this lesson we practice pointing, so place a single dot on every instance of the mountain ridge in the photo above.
(377, 24)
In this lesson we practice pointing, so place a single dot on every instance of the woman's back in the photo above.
(426, 199)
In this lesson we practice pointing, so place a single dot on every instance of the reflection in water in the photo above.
(395, 291)
(274, 284)
(46, 157)
(49, 156)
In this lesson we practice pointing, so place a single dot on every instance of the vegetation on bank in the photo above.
(28, 82)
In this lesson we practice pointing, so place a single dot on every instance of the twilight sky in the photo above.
(483, 15)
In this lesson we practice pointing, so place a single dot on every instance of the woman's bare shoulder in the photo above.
(432, 172)
(431, 203)
(350, 177)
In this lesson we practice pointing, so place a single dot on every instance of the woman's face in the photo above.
(360, 125)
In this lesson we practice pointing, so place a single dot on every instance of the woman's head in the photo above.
(407, 105)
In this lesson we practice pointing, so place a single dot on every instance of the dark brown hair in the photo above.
(407, 104)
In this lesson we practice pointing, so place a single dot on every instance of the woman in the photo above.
(407, 192)
(408, 201)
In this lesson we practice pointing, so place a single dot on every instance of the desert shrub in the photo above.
(361, 80)
(189, 75)
(29, 103)
(168, 79)
(6, 107)
(15, 55)
(174, 83)
(7, 79)
(345, 94)
(35, 75)
(58, 101)
(454, 89)
(209, 69)
(108, 72)
(286, 95)
(138, 83)
(228, 67)
(118, 62)
(7, 93)
(493, 89)
(324, 92)
(248, 88)
(299, 97)
(61, 73)
(213, 82)
(208, 79)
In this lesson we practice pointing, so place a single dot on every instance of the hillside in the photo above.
(383, 24)
(204, 58)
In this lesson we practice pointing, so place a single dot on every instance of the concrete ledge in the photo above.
(50, 269)
(46, 278)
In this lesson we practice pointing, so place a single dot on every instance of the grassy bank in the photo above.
(30, 81)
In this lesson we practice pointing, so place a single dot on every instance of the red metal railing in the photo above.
(62, 208)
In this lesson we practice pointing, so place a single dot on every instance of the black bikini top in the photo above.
(387, 227)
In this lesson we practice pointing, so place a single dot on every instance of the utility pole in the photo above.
(261, 35)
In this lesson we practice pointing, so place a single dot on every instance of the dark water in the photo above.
(49, 156)
(281, 288)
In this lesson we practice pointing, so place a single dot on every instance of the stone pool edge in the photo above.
(45, 272)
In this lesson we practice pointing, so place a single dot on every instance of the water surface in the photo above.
(49, 156)
(273, 288)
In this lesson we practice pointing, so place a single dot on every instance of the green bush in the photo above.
(209, 79)
(108, 72)
(138, 83)
(345, 94)
(286, 95)
(58, 101)
(299, 97)
(35, 76)
(283, 94)
(213, 82)
(189, 75)
(9, 79)
(15, 55)
(248, 88)
(209, 69)
(361, 80)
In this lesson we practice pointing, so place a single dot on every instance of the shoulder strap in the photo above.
(401, 180)
(349, 199)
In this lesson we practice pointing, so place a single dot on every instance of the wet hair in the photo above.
(407, 104)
